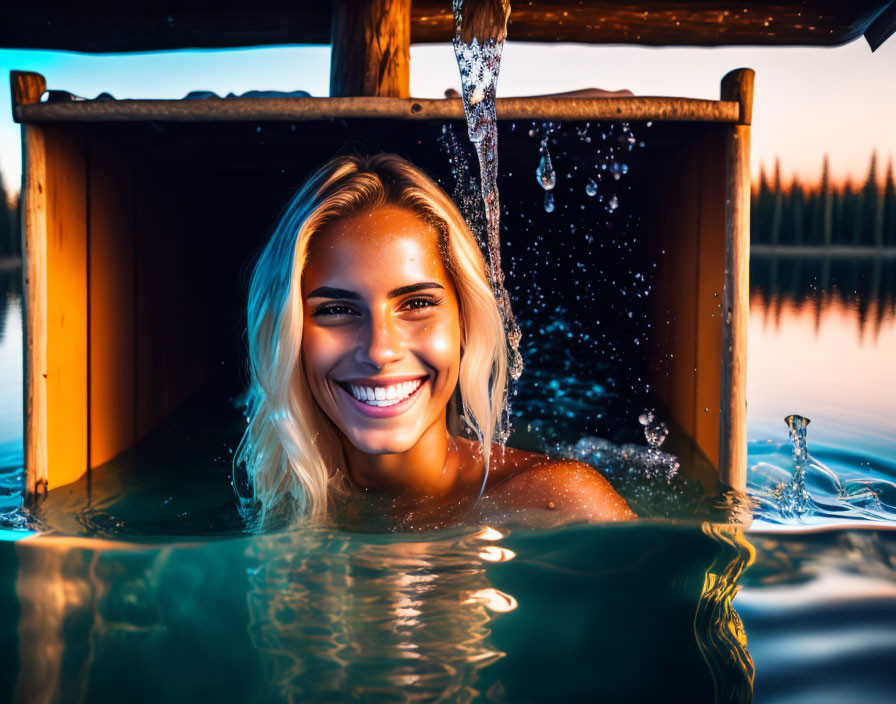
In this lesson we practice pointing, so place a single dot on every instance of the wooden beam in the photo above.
(261, 109)
(371, 48)
(737, 85)
(882, 28)
(153, 25)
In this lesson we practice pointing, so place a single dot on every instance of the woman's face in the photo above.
(381, 333)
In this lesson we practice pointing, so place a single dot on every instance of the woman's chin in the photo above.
(381, 443)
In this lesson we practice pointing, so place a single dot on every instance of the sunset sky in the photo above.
(808, 101)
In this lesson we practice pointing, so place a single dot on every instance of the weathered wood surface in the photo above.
(260, 109)
(736, 300)
(26, 87)
(737, 86)
(484, 20)
(34, 222)
(371, 48)
(149, 25)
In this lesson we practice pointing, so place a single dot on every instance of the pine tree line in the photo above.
(825, 215)
(10, 240)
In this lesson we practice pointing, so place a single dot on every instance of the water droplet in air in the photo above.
(656, 434)
(549, 202)
(591, 187)
(613, 204)
(545, 174)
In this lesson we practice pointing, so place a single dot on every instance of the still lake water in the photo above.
(657, 610)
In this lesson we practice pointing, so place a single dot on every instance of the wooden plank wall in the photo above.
(111, 371)
(710, 292)
(688, 224)
(121, 254)
(67, 266)
(175, 252)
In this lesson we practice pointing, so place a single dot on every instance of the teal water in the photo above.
(149, 590)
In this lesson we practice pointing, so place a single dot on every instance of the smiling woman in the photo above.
(371, 323)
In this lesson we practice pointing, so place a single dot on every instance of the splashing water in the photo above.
(479, 64)
(793, 498)
(648, 476)
(809, 492)
(655, 431)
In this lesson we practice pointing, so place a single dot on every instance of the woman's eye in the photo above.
(418, 303)
(332, 311)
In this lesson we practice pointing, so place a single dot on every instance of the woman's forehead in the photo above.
(389, 241)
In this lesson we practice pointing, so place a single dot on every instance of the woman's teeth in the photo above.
(384, 395)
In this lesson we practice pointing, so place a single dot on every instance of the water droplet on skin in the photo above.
(591, 187)
(549, 202)
(545, 174)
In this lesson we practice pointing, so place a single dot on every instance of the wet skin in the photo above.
(381, 311)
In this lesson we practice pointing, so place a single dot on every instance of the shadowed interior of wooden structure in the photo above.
(151, 224)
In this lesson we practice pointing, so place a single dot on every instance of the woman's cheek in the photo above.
(443, 344)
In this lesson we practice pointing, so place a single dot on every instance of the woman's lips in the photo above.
(382, 411)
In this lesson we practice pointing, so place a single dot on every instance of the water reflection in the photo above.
(717, 626)
(10, 387)
(820, 370)
(820, 609)
(338, 618)
(453, 616)
(821, 281)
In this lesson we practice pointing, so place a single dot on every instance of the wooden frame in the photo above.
(145, 26)
(101, 234)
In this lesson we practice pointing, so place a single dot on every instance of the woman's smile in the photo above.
(381, 334)
(383, 398)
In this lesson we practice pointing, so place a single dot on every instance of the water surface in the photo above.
(686, 610)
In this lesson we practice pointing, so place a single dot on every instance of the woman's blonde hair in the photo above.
(291, 452)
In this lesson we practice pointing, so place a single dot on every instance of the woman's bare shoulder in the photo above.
(571, 491)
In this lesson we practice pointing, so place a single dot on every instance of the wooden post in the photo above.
(371, 48)
(27, 88)
(736, 86)
(484, 20)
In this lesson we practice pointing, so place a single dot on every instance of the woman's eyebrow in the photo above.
(413, 288)
(345, 294)
(328, 292)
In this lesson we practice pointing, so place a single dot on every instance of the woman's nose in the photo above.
(384, 341)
